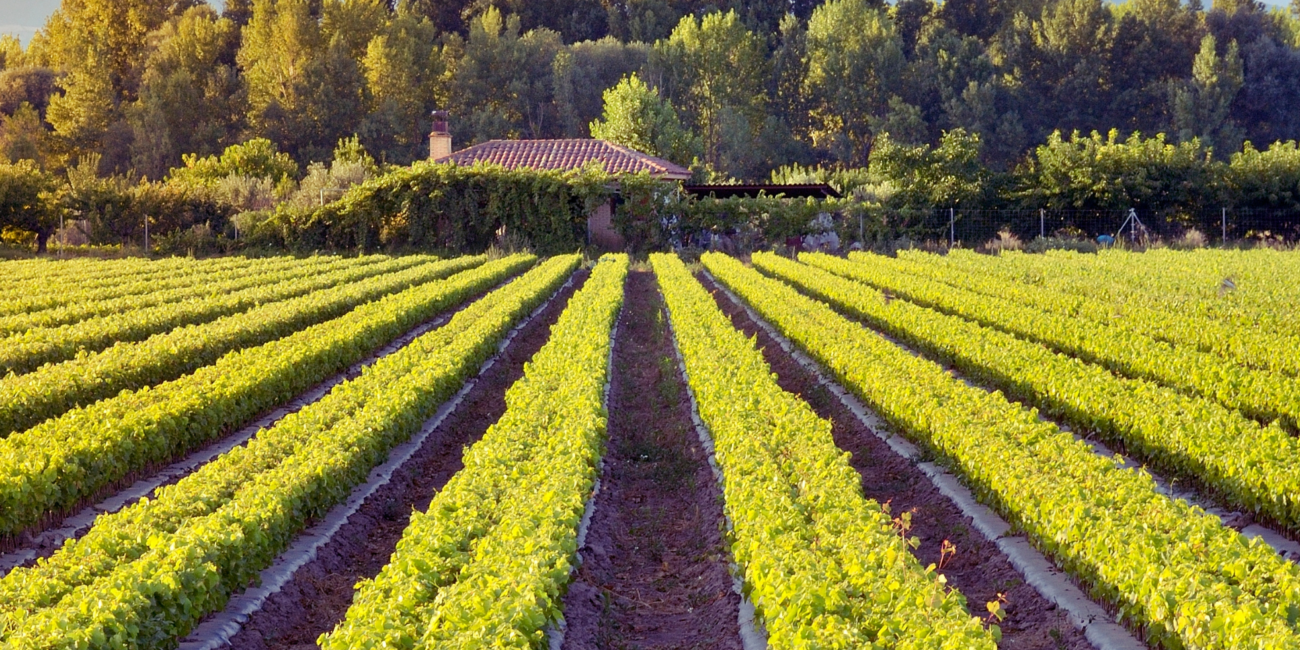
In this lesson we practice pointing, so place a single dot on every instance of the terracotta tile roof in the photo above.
(568, 154)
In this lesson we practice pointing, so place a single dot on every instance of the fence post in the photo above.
(146, 234)
(1042, 231)
(1225, 225)
(952, 228)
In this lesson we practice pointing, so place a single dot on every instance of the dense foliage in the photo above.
(199, 541)
(824, 566)
(761, 83)
(1188, 436)
(486, 565)
(442, 206)
(1175, 110)
(1166, 566)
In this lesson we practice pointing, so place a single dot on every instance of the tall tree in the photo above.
(503, 84)
(711, 65)
(406, 76)
(446, 15)
(1201, 107)
(1155, 42)
(1268, 106)
(81, 115)
(574, 20)
(189, 101)
(354, 23)
(238, 12)
(30, 85)
(11, 52)
(789, 68)
(100, 47)
(1061, 64)
(855, 67)
(637, 117)
(280, 43)
(582, 68)
(304, 87)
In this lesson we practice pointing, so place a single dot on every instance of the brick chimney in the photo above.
(440, 139)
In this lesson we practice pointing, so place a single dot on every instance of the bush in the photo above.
(441, 206)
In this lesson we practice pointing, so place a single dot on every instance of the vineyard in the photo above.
(1057, 450)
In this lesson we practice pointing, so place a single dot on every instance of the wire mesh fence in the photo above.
(975, 226)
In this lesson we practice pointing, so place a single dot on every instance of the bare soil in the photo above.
(319, 594)
(978, 569)
(653, 570)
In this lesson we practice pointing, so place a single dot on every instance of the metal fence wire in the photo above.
(974, 226)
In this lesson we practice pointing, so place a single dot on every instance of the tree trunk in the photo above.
(42, 237)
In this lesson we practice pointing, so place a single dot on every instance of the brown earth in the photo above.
(319, 594)
(978, 569)
(654, 566)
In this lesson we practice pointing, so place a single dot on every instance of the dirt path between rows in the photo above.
(319, 594)
(978, 568)
(654, 566)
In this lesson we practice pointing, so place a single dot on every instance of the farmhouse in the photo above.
(565, 154)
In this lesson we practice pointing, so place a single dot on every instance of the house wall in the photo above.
(600, 229)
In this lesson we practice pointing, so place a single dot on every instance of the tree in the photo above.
(1061, 65)
(855, 67)
(354, 23)
(238, 12)
(711, 65)
(944, 66)
(11, 52)
(189, 101)
(111, 35)
(26, 201)
(503, 84)
(644, 21)
(446, 15)
(574, 20)
(280, 44)
(1105, 172)
(81, 115)
(1267, 108)
(637, 117)
(790, 103)
(1155, 43)
(257, 158)
(305, 88)
(581, 68)
(100, 46)
(406, 78)
(978, 18)
(26, 85)
(949, 175)
(23, 136)
(1201, 107)
(1266, 179)
(335, 101)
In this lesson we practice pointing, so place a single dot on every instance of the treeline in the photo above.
(251, 195)
(752, 84)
